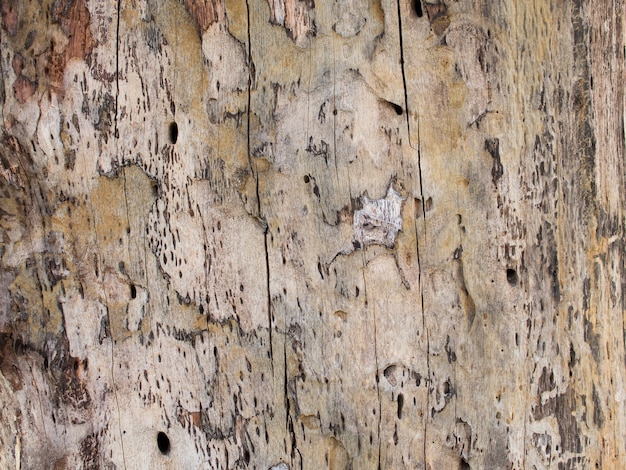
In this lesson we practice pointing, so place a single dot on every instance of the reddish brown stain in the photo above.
(18, 64)
(191, 418)
(295, 16)
(23, 88)
(204, 12)
(10, 16)
(75, 21)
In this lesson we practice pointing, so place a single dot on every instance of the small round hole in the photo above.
(173, 132)
(164, 443)
(306, 178)
(512, 277)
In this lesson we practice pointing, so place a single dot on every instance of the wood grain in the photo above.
(282, 234)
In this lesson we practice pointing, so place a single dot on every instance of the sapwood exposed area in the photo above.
(287, 234)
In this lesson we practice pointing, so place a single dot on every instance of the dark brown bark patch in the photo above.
(90, 452)
(563, 408)
(492, 146)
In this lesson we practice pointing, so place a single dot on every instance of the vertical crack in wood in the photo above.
(406, 94)
(419, 172)
(258, 198)
(419, 271)
(421, 285)
(269, 295)
(408, 117)
(421, 189)
(334, 111)
(117, 72)
(287, 404)
(116, 137)
(424, 332)
(380, 404)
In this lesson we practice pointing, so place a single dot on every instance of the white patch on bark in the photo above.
(280, 466)
(379, 220)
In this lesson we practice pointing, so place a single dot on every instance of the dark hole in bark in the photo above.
(306, 178)
(511, 276)
(173, 132)
(428, 205)
(400, 405)
(418, 8)
(164, 443)
(133, 291)
(397, 108)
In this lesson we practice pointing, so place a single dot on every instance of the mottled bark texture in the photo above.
(292, 234)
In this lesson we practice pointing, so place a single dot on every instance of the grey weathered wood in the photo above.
(289, 234)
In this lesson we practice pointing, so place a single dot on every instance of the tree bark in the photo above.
(285, 234)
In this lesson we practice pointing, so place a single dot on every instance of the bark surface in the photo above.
(292, 234)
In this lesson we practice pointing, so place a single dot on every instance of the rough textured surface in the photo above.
(288, 234)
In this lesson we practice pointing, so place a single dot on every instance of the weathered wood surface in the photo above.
(292, 235)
